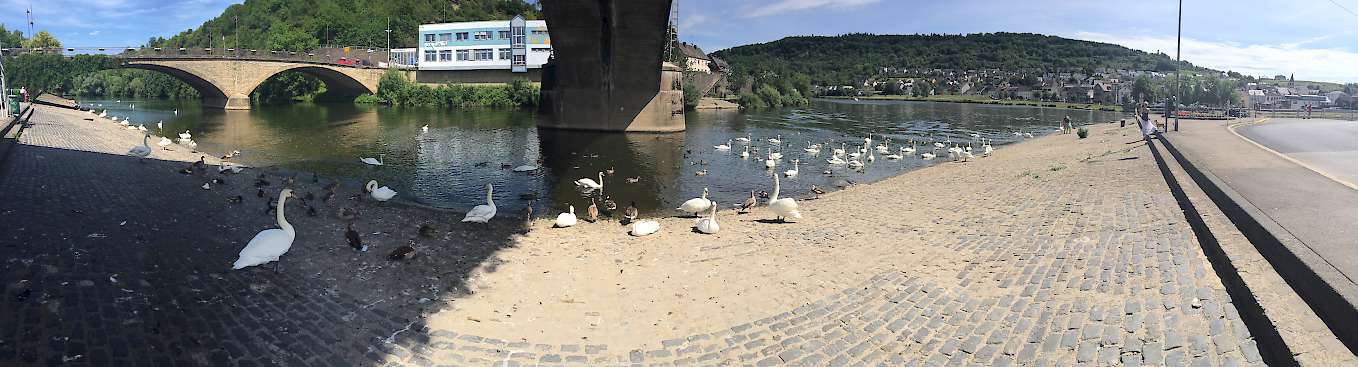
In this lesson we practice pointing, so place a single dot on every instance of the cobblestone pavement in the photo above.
(1090, 264)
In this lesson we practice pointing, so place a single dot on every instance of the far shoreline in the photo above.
(981, 101)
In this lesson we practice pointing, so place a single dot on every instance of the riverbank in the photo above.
(1057, 249)
(986, 101)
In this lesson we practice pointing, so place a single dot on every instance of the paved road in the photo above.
(1329, 146)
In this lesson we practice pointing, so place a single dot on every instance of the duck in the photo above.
(374, 162)
(696, 205)
(142, 151)
(634, 179)
(645, 228)
(709, 225)
(592, 212)
(796, 165)
(405, 252)
(164, 143)
(482, 213)
(379, 193)
(355, 242)
(630, 214)
(566, 219)
(817, 191)
(609, 171)
(748, 204)
(610, 205)
(270, 244)
(590, 184)
(236, 200)
(785, 207)
(726, 146)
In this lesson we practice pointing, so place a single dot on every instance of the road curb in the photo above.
(1268, 239)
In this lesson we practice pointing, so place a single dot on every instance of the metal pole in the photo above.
(1179, 59)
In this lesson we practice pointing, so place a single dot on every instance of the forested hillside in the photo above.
(843, 59)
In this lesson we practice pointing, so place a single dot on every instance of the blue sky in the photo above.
(1316, 39)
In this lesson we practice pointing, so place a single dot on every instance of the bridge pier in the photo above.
(607, 72)
(237, 101)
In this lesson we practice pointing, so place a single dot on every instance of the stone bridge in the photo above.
(227, 83)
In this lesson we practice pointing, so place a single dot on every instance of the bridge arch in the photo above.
(212, 94)
(336, 83)
(229, 83)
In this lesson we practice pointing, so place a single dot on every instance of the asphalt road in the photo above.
(1328, 146)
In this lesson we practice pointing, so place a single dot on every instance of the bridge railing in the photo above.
(358, 57)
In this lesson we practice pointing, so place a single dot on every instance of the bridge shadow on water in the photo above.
(112, 262)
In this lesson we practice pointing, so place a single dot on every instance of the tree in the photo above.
(1142, 90)
(42, 39)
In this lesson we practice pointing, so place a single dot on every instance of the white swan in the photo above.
(125, 123)
(645, 228)
(104, 113)
(858, 152)
(141, 127)
(380, 193)
(228, 166)
(374, 162)
(854, 163)
(482, 213)
(835, 160)
(696, 205)
(193, 145)
(775, 156)
(770, 163)
(778, 140)
(726, 146)
(795, 168)
(813, 149)
(185, 135)
(143, 150)
(590, 184)
(987, 149)
(838, 151)
(746, 153)
(709, 225)
(271, 243)
(785, 207)
(927, 156)
(567, 219)
(164, 142)
(160, 126)
(745, 139)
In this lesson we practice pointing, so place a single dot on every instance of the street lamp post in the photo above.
(388, 40)
(1178, 64)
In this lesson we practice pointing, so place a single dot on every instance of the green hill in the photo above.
(293, 24)
(843, 59)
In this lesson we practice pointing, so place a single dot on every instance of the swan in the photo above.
(910, 149)
(775, 156)
(894, 156)
(103, 114)
(745, 139)
(380, 193)
(125, 122)
(726, 146)
(795, 167)
(709, 225)
(854, 163)
(143, 150)
(482, 213)
(871, 157)
(746, 153)
(838, 151)
(374, 162)
(856, 153)
(785, 207)
(164, 143)
(813, 149)
(193, 145)
(987, 149)
(141, 127)
(695, 205)
(271, 243)
(927, 156)
(590, 184)
(185, 135)
(777, 140)
(770, 163)
(835, 160)
(232, 167)
(567, 219)
(526, 168)
(645, 227)
(160, 126)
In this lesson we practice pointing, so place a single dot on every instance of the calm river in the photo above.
(463, 150)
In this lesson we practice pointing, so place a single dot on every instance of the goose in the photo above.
(745, 139)
(785, 207)
(695, 205)
(630, 214)
(185, 135)
(374, 162)
(592, 212)
(425, 128)
(526, 168)
(567, 219)
(590, 184)
(795, 168)
(164, 143)
(351, 236)
(379, 193)
(482, 213)
(709, 225)
(645, 228)
(749, 203)
(726, 146)
(271, 243)
(777, 140)
(143, 150)
(835, 160)
(746, 153)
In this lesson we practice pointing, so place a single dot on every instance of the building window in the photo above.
(483, 35)
(429, 55)
(445, 37)
(504, 35)
(445, 55)
(519, 59)
(461, 36)
(429, 37)
(504, 54)
(485, 54)
(463, 55)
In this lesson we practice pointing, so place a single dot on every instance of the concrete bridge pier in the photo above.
(607, 72)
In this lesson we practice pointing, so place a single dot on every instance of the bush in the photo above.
(394, 88)
(1083, 132)
(366, 98)
(751, 101)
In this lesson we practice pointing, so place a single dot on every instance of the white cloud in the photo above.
(1319, 64)
(690, 20)
(95, 33)
(785, 6)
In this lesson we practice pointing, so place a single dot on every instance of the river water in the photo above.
(463, 150)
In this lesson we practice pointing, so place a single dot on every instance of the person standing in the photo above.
(1308, 111)
(23, 91)
(1066, 127)
(1144, 113)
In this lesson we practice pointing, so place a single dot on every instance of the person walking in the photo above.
(1143, 112)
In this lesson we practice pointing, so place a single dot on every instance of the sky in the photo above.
(1315, 39)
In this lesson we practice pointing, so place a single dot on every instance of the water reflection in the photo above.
(449, 165)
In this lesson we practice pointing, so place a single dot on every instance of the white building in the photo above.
(515, 44)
